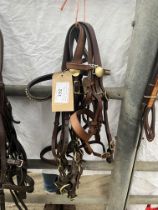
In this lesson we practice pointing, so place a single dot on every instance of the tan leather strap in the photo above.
(153, 95)
(80, 132)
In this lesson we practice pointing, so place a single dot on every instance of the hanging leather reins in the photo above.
(13, 159)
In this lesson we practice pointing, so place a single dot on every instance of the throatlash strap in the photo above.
(13, 159)
(75, 132)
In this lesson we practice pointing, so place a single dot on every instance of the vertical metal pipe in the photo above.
(143, 49)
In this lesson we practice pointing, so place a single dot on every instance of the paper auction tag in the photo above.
(62, 92)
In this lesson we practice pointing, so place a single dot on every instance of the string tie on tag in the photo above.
(77, 9)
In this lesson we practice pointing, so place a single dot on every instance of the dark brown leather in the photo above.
(53, 207)
(13, 159)
(59, 207)
(69, 207)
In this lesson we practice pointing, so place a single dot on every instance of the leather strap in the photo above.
(148, 102)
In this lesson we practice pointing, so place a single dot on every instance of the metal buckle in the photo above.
(27, 94)
(104, 155)
(74, 72)
(152, 97)
(94, 66)
(19, 163)
(63, 188)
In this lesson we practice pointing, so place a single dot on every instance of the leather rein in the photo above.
(148, 104)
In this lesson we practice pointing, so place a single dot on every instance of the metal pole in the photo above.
(19, 90)
(143, 49)
(101, 165)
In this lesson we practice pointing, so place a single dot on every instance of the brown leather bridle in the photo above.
(13, 159)
(76, 131)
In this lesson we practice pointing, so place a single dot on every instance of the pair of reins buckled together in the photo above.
(13, 159)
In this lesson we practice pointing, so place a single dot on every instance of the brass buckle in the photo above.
(99, 71)
(74, 72)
